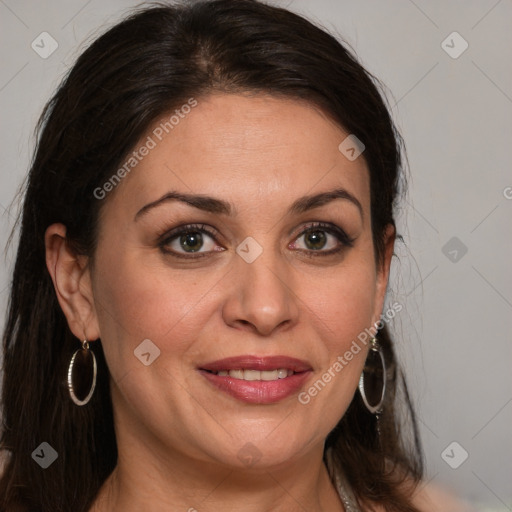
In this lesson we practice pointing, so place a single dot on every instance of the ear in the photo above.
(72, 281)
(383, 271)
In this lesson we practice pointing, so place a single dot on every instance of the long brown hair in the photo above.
(148, 64)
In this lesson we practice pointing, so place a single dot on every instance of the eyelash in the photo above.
(343, 238)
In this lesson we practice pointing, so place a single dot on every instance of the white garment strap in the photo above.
(347, 498)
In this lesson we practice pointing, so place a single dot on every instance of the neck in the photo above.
(183, 485)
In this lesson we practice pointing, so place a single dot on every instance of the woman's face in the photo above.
(253, 285)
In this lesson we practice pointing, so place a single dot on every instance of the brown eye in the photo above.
(192, 240)
(189, 240)
(324, 239)
(316, 239)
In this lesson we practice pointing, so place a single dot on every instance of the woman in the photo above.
(197, 316)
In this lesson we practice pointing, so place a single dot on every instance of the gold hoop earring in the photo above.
(82, 375)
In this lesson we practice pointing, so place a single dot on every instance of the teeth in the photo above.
(270, 375)
(236, 374)
(251, 375)
(282, 373)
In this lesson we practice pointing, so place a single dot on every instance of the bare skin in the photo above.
(180, 438)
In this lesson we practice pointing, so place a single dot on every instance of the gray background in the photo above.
(455, 114)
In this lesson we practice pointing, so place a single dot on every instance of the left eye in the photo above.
(317, 239)
(324, 239)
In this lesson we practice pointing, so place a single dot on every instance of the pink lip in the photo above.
(258, 392)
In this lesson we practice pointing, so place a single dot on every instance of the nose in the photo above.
(262, 298)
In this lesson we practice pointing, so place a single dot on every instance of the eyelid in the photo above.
(167, 234)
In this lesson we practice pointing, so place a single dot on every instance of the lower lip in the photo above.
(258, 391)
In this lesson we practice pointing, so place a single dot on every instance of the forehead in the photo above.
(246, 149)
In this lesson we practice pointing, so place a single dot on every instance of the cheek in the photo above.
(340, 311)
(346, 318)
(333, 388)
(344, 304)
(136, 302)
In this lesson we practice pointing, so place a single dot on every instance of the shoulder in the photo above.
(428, 497)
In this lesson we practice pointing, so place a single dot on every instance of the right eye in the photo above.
(188, 239)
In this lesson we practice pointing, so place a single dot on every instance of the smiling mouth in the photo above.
(257, 379)
(255, 375)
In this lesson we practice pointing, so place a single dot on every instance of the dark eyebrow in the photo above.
(218, 206)
(306, 203)
(205, 203)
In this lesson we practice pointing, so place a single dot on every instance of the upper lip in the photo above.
(262, 363)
